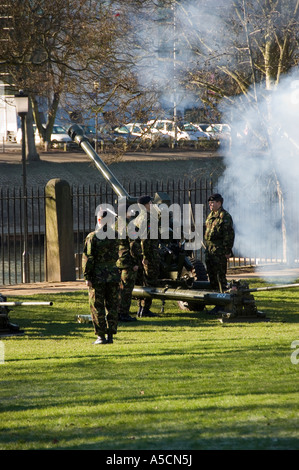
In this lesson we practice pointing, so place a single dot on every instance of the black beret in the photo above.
(144, 199)
(216, 197)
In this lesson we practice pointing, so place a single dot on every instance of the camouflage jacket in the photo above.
(99, 260)
(149, 246)
(219, 233)
(129, 253)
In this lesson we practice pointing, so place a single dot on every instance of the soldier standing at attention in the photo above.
(128, 262)
(102, 277)
(149, 273)
(219, 240)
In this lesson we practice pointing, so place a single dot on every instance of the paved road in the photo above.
(11, 153)
(77, 168)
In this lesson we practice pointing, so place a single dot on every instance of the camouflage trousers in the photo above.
(127, 282)
(148, 276)
(217, 267)
(103, 304)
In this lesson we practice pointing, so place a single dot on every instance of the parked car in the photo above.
(59, 137)
(219, 131)
(167, 128)
(104, 135)
(122, 135)
(196, 131)
(137, 132)
(202, 126)
(143, 131)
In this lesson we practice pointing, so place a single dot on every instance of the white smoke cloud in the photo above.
(265, 141)
(264, 157)
(170, 37)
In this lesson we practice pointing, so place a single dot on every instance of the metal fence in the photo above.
(12, 234)
(85, 199)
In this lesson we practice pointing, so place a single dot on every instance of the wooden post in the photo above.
(60, 256)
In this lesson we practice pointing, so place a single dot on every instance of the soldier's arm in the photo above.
(136, 255)
(88, 262)
(228, 235)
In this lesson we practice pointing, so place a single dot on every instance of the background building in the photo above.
(8, 115)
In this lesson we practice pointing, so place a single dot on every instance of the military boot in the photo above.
(146, 312)
(100, 340)
(127, 318)
(109, 338)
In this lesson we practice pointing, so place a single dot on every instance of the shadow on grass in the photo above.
(104, 434)
(59, 320)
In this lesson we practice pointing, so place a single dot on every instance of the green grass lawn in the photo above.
(180, 381)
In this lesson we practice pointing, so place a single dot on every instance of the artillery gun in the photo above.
(182, 278)
(6, 327)
(177, 268)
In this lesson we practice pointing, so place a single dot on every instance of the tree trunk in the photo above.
(52, 116)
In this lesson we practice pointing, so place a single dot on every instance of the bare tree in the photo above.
(236, 45)
(250, 49)
(59, 48)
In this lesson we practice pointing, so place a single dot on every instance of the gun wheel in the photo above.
(200, 275)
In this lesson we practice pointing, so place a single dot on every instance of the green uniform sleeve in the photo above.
(88, 260)
(228, 234)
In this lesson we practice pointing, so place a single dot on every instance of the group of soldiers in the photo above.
(112, 266)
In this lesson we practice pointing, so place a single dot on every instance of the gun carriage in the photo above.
(7, 328)
(182, 277)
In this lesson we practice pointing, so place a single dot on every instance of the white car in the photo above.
(202, 126)
(196, 131)
(138, 131)
(167, 128)
(135, 129)
(59, 136)
(219, 131)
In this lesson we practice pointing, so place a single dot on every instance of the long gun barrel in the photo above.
(198, 296)
(77, 135)
(6, 327)
(278, 287)
(21, 304)
(237, 302)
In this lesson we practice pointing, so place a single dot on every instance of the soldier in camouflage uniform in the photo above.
(219, 240)
(149, 273)
(128, 262)
(102, 277)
